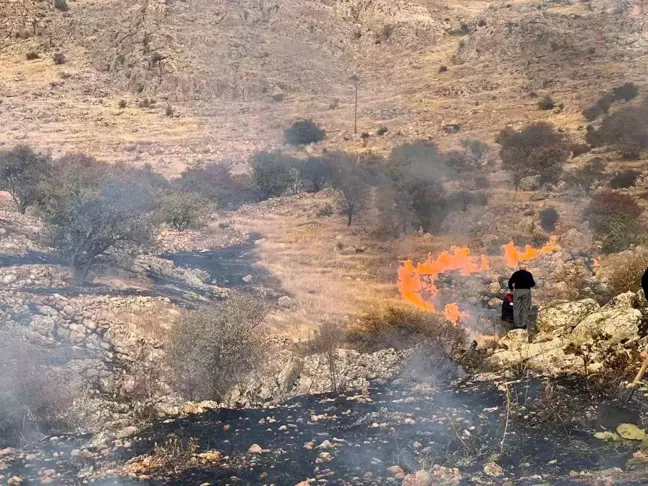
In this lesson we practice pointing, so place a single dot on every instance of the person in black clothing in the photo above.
(521, 282)
(644, 283)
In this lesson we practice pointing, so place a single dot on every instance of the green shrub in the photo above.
(59, 58)
(624, 179)
(183, 210)
(546, 103)
(304, 132)
(626, 92)
(627, 277)
(61, 5)
(549, 218)
(271, 173)
(25, 175)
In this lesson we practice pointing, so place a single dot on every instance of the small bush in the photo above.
(592, 112)
(271, 173)
(304, 132)
(32, 56)
(61, 5)
(213, 349)
(182, 210)
(626, 92)
(625, 130)
(382, 130)
(169, 110)
(614, 218)
(546, 103)
(59, 58)
(400, 327)
(578, 149)
(624, 179)
(481, 23)
(325, 211)
(549, 218)
(122, 104)
(627, 277)
(443, 69)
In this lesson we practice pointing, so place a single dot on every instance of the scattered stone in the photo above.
(255, 449)
(630, 432)
(285, 302)
(493, 470)
(247, 278)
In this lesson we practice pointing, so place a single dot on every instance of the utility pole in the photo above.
(355, 80)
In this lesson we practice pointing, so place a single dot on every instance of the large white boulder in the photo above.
(613, 324)
(562, 317)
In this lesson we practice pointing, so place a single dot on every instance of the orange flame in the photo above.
(597, 265)
(514, 256)
(414, 280)
(453, 314)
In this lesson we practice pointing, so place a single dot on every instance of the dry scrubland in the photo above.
(459, 102)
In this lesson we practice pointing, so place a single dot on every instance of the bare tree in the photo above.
(327, 341)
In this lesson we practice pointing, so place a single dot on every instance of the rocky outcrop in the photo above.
(563, 325)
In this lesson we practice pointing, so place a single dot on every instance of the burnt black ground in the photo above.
(457, 427)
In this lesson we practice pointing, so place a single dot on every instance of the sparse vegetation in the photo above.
(61, 5)
(213, 349)
(549, 219)
(624, 179)
(625, 130)
(546, 103)
(182, 210)
(23, 174)
(351, 181)
(578, 149)
(589, 176)
(382, 130)
(31, 55)
(625, 92)
(304, 132)
(627, 277)
(316, 172)
(271, 173)
(613, 216)
(536, 149)
(59, 58)
(217, 184)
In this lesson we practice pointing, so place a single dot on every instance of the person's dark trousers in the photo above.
(521, 307)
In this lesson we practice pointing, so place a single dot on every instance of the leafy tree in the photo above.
(95, 208)
(271, 173)
(182, 210)
(23, 174)
(318, 171)
(536, 149)
(589, 176)
(626, 92)
(304, 132)
(625, 130)
(549, 218)
(216, 183)
(351, 181)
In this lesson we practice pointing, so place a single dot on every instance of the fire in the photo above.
(453, 314)
(597, 265)
(514, 256)
(414, 280)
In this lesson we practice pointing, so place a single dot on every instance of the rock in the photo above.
(285, 302)
(15, 481)
(564, 316)
(303, 483)
(574, 239)
(421, 478)
(126, 432)
(493, 470)
(628, 300)
(540, 196)
(247, 278)
(210, 456)
(9, 279)
(255, 449)
(446, 475)
(631, 432)
(495, 288)
(395, 470)
(515, 339)
(531, 183)
(614, 324)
